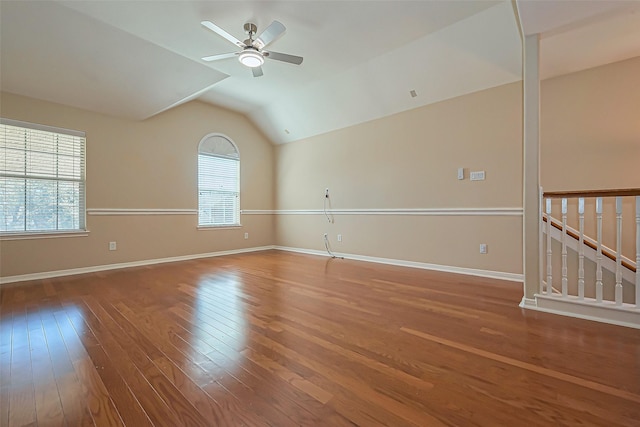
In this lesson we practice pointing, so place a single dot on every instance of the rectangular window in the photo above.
(218, 191)
(42, 178)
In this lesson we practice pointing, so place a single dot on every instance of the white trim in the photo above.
(218, 227)
(223, 136)
(527, 303)
(418, 211)
(257, 212)
(606, 312)
(109, 211)
(93, 269)
(43, 235)
(515, 277)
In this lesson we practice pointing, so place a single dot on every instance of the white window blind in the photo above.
(218, 182)
(42, 178)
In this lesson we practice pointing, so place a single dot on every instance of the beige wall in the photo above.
(590, 128)
(405, 161)
(590, 139)
(146, 165)
(409, 161)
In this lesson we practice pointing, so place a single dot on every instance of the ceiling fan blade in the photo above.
(291, 59)
(257, 71)
(222, 33)
(221, 56)
(272, 33)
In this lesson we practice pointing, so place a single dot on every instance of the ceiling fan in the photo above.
(253, 54)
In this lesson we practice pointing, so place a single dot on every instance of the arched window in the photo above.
(218, 181)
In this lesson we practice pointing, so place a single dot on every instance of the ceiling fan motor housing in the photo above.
(250, 29)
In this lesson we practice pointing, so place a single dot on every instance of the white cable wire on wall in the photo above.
(326, 235)
(326, 245)
(324, 204)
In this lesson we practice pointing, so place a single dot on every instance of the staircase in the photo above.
(591, 277)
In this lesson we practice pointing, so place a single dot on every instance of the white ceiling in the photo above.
(362, 58)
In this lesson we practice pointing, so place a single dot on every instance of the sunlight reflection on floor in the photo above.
(220, 323)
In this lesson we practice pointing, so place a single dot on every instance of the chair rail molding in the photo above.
(497, 211)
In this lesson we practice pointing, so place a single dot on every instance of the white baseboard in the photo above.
(413, 264)
(402, 263)
(626, 315)
(527, 303)
(93, 269)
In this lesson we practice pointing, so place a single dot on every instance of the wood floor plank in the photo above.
(4, 404)
(282, 398)
(74, 405)
(124, 401)
(127, 359)
(48, 405)
(198, 398)
(100, 405)
(20, 371)
(22, 410)
(367, 392)
(47, 399)
(281, 339)
(167, 330)
(22, 405)
(632, 397)
(60, 359)
(239, 377)
(6, 326)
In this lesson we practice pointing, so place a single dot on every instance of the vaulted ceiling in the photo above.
(362, 59)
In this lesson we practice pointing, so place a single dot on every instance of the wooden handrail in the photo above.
(593, 193)
(605, 252)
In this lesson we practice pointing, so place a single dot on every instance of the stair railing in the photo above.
(577, 199)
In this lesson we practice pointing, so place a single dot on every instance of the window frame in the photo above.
(81, 180)
(237, 212)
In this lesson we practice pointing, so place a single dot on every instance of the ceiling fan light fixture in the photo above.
(251, 58)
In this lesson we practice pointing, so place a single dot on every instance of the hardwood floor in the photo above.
(282, 339)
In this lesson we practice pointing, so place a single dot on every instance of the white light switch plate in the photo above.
(477, 176)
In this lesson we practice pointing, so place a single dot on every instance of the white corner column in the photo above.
(531, 169)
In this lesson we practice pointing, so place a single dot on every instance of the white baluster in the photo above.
(618, 250)
(540, 246)
(565, 283)
(599, 249)
(549, 268)
(637, 251)
(581, 249)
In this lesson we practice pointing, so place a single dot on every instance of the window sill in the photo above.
(43, 235)
(218, 227)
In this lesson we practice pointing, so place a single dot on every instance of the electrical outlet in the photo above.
(246, 235)
(112, 246)
(483, 248)
(460, 173)
(339, 237)
(326, 192)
